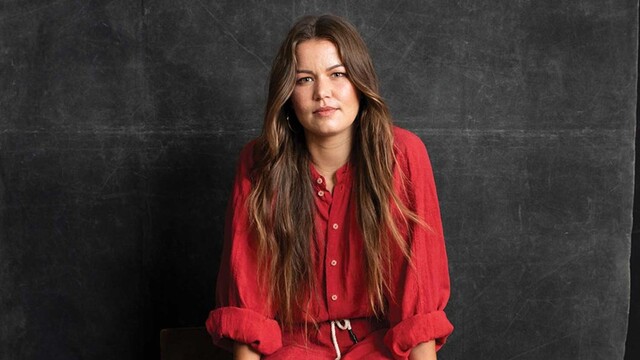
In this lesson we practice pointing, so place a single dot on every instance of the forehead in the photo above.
(317, 52)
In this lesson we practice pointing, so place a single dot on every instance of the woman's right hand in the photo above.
(244, 352)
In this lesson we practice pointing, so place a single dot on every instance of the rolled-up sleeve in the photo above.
(228, 324)
(241, 313)
(420, 288)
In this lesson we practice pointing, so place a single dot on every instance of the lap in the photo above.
(370, 348)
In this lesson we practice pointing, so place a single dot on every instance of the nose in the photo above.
(322, 88)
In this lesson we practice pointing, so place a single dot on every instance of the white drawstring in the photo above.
(345, 326)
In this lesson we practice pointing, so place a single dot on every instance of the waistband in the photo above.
(334, 335)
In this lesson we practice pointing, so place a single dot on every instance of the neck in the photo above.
(329, 154)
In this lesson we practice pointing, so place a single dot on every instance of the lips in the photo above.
(325, 111)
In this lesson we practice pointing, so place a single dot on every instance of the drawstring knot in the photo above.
(342, 325)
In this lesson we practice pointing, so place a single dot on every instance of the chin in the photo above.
(328, 132)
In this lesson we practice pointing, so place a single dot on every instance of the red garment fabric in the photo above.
(415, 311)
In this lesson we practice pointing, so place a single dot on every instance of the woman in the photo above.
(333, 241)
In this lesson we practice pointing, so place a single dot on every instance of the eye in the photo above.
(339, 74)
(303, 80)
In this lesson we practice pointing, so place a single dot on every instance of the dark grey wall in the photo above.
(632, 345)
(120, 123)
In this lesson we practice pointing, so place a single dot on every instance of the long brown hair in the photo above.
(281, 203)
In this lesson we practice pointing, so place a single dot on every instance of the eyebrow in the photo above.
(311, 72)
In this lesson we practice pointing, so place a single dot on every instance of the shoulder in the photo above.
(248, 151)
(246, 158)
(406, 142)
(248, 148)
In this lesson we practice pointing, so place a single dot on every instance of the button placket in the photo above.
(335, 233)
(331, 270)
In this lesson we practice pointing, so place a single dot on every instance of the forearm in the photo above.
(424, 351)
(244, 352)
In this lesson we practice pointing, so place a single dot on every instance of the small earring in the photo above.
(289, 125)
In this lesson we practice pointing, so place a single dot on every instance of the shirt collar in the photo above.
(343, 174)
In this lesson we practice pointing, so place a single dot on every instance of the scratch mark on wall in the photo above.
(40, 8)
(374, 37)
(554, 340)
(230, 35)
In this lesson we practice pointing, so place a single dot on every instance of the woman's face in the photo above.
(324, 99)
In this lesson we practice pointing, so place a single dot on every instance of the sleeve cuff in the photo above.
(229, 324)
(410, 332)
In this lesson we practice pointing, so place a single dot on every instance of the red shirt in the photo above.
(415, 311)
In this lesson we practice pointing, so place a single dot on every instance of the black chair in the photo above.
(192, 343)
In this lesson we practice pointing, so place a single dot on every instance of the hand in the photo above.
(424, 351)
(244, 352)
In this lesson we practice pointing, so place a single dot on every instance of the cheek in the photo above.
(346, 89)
(297, 100)
(349, 94)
